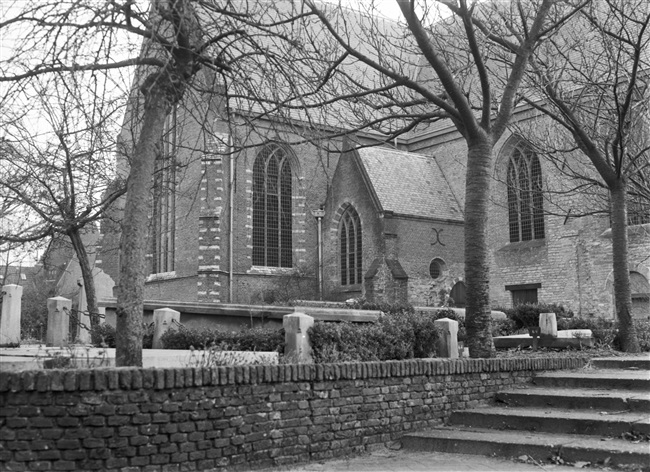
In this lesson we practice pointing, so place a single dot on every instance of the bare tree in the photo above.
(175, 46)
(592, 80)
(457, 60)
(60, 180)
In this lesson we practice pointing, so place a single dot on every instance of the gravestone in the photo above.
(10, 315)
(163, 320)
(297, 346)
(58, 322)
(447, 338)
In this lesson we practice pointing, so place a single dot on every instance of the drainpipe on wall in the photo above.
(231, 219)
(319, 215)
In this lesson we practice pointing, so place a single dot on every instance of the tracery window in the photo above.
(351, 247)
(525, 198)
(164, 197)
(272, 209)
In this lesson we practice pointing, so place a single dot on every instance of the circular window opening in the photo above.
(436, 268)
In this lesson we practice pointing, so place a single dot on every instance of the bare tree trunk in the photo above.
(5, 273)
(477, 274)
(130, 293)
(86, 275)
(622, 294)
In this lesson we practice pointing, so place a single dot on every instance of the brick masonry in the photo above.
(235, 418)
(572, 263)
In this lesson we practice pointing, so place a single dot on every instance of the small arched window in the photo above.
(272, 209)
(525, 198)
(351, 247)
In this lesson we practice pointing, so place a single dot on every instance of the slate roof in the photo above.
(409, 184)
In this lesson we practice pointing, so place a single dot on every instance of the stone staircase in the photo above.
(580, 416)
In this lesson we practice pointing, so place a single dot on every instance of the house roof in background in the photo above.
(409, 184)
(17, 275)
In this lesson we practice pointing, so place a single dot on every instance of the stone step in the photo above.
(554, 420)
(597, 378)
(594, 399)
(540, 446)
(625, 363)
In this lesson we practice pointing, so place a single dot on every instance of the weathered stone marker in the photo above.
(58, 321)
(297, 346)
(10, 315)
(163, 319)
(548, 325)
(447, 338)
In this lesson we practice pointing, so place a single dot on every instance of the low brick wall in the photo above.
(127, 419)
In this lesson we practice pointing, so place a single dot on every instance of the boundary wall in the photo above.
(236, 417)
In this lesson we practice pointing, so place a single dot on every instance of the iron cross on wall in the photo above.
(437, 233)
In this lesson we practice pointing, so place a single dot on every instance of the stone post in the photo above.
(297, 347)
(548, 325)
(58, 321)
(447, 338)
(10, 315)
(163, 319)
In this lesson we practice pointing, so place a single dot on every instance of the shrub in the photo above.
(395, 336)
(259, 339)
(254, 339)
(147, 335)
(505, 327)
(643, 333)
(526, 315)
(33, 318)
(104, 335)
(451, 314)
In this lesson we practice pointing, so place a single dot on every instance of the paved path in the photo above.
(387, 460)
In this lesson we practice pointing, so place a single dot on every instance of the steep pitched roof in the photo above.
(409, 184)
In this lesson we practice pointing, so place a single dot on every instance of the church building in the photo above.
(262, 216)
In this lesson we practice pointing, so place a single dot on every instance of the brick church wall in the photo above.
(313, 168)
(421, 241)
(202, 221)
(348, 189)
(573, 263)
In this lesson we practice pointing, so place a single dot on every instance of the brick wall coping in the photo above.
(129, 378)
(255, 311)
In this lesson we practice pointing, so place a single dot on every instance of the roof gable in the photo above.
(409, 184)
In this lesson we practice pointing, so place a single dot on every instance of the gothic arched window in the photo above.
(164, 199)
(350, 237)
(525, 198)
(272, 209)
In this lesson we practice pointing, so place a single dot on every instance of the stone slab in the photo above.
(575, 338)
